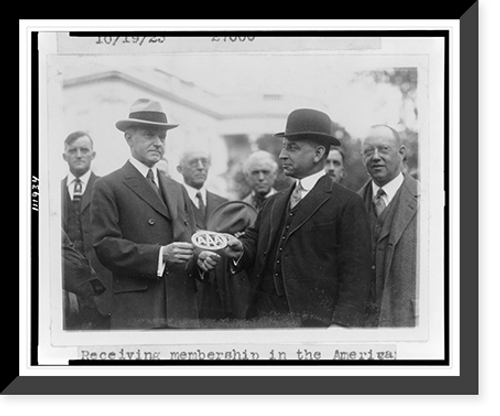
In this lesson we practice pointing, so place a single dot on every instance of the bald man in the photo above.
(391, 199)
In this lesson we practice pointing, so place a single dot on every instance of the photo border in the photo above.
(226, 382)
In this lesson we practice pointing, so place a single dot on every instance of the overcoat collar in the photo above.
(138, 184)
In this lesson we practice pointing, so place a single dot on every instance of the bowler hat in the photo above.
(146, 112)
(311, 123)
(232, 217)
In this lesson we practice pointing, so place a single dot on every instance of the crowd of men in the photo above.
(316, 254)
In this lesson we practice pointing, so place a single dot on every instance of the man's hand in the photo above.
(234, 247)
(207, 260)
(178, 252)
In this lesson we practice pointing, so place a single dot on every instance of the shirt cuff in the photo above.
(234, 264)
(162, 264)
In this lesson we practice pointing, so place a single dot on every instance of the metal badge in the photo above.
(209, 240)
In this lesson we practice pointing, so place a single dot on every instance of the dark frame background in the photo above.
(466, 383)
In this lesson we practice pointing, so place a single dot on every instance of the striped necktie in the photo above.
(379, 202)
(296, 195)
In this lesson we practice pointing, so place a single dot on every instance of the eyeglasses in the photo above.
(370, 151)
(194, 163)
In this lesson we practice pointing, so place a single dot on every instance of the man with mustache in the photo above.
(142, 223)
(335, 164)
(308, 252)
(391, 199)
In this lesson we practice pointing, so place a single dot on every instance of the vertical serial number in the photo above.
(35, 188)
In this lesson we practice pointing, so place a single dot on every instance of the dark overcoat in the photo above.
(396, 259)
(129, 223)
(326, 255)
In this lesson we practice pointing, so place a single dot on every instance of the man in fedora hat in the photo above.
(142, 223)
(308, 252)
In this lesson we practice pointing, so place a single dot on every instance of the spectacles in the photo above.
(194, 163)
(370, 151)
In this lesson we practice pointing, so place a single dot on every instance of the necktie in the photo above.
(379, 202)
(296, 195)
(77, 193)
(77, 190)
(201, 205)
(151, 179)
(258, 201)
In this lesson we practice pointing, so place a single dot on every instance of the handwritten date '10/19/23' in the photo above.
(140, 40)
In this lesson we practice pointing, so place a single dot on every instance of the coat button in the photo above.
(151, 221)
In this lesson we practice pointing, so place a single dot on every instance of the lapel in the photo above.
(88, 192)
(313, 201)
(408, 205)
(320, 194)
(213, 201)
(366, 195)
(138, 184)
(407, 209)
(278, 210)
(170, 195)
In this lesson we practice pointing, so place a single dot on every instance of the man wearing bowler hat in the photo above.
(142, 223)
(308, 252)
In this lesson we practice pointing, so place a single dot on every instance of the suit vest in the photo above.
(74, 224)
(378, 224)
(272, 275)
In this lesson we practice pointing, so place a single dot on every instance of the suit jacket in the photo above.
(396, 265)
(130, 222)
(103, 302)
(325, 257)
(213, 201)
(249, 199)
(77, 273)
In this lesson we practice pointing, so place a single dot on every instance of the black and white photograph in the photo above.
(257, 198)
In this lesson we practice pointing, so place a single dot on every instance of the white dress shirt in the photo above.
(192, 194)
(143, 169)
(310, 182)
(70, 183)
(390, 188)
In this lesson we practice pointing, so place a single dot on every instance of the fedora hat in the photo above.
(232, 217)
(311, 123)
(145, 112)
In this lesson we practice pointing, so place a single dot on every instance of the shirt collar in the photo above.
(143, 169)
(310, 181)
(193, 191)
(84, 178)
(390, 188)
(271, 192)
